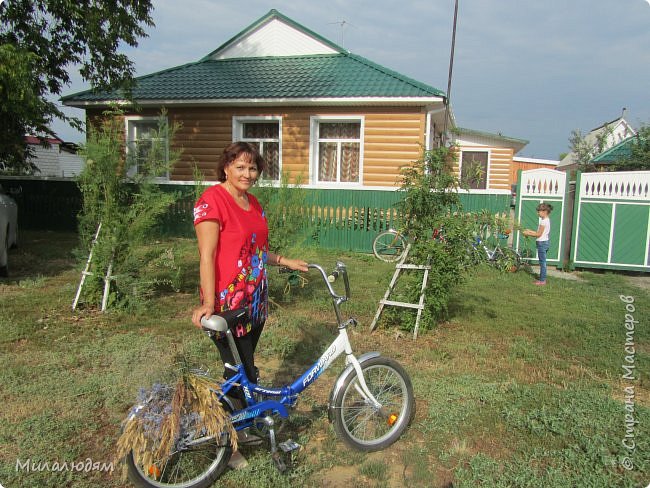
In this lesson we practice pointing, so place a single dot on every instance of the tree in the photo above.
(19, 103)
(40, 40)
(585, 149)
(639, 157)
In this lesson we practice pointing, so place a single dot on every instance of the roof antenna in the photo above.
(343, 24)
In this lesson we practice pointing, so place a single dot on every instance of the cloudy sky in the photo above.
(531, 69)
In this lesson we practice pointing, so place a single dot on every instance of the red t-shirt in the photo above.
(242, 250)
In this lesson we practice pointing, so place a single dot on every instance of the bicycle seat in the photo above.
(220, 322)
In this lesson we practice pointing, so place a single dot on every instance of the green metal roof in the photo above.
(315, 76)
(622, 150)
(338, 75)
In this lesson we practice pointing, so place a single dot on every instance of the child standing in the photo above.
(542, 235)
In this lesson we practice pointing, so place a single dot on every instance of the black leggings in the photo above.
(246, 347)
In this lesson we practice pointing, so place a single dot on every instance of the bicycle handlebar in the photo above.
(339, 270)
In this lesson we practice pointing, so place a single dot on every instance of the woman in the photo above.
(232, 236)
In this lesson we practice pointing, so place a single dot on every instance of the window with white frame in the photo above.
(145, 139)
(337, 149)
(265, 133)
(474, 169)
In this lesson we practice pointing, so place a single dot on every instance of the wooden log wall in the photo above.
(393, 137)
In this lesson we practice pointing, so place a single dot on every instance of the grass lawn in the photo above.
(521, 387)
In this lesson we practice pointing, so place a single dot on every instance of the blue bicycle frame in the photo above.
(288, 395)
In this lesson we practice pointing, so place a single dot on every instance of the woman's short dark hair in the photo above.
(545, 206)
(232, 152)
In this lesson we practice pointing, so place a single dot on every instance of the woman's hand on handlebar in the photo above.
(202, 311)
(295, 264)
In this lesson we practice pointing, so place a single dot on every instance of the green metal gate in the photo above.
(612, 221)
(534, 187)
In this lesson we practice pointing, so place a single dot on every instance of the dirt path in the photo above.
(641, 281)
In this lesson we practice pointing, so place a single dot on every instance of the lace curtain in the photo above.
(330, 151)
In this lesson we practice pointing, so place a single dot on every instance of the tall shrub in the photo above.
(430, 201)
(128, 206)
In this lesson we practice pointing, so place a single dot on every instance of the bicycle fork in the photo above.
(362, 387)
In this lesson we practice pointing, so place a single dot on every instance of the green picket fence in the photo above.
(333, 218)
(345, 219)
(50, 204)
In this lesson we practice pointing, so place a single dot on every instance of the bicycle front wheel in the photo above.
(358, 423)
(389, 246)
(192, 467)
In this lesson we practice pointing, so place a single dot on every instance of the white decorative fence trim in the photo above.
(543, 183)
(628, 185)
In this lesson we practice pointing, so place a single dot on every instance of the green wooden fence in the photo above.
(345, 219)
(533, 187)
(610, 226)
(611, 223)
(334, 218)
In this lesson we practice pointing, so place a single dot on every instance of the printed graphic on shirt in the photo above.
(201, 210)
(249, 288)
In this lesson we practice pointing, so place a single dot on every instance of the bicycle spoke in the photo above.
(361, 411)
(175, 470)
(162, 473)
(383, 381)
(364, 422)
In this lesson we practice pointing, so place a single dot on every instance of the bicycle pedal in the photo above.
(289, 446)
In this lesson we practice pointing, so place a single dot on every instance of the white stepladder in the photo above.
(87, 272)
(385, 301)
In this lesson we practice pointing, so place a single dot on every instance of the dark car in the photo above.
(8, 224)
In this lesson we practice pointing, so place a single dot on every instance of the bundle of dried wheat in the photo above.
(155, 424)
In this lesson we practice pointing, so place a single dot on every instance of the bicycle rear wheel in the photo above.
(389, 246)
(195, 467)
(358, 423)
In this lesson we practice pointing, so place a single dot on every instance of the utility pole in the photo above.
(451, 69)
